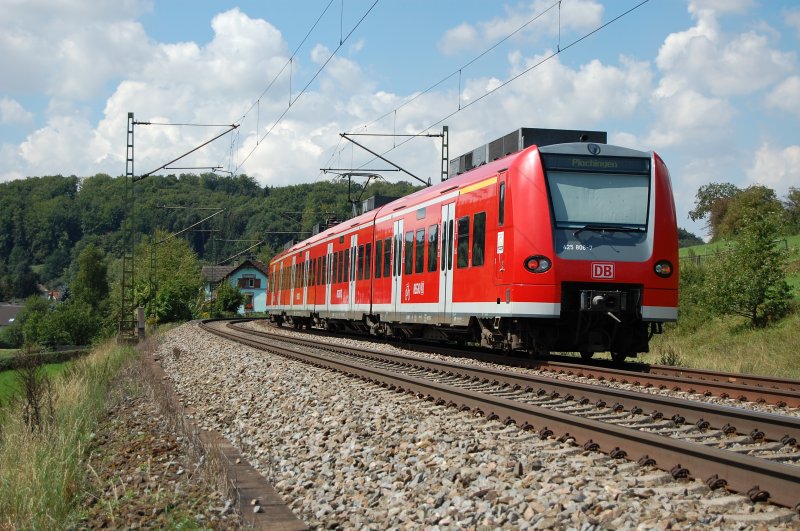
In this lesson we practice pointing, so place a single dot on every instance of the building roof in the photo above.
(215, 273)
(8, 312)
(255, 264)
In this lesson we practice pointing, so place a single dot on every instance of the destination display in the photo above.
(589, 163)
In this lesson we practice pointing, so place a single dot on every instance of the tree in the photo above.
(176, 282)
(753, 202)
(228, 300)
(688, 239)
(91, 283)
(792, 205)
(748, 278)
(712, 202)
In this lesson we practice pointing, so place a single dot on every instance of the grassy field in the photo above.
(42, 473)
(792, 243)
(7, 352)
(727, 344)
(9, 385)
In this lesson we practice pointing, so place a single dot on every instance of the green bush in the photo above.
(228, 300)
(748, 277)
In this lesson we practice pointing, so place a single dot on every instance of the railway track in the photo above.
(780, 392)
(746, 451)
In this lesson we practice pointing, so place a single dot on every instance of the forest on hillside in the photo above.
(45, 222)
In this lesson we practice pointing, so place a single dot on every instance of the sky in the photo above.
(712, 86)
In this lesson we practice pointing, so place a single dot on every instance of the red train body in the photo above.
(566, 247)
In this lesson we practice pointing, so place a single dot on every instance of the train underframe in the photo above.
(594, 318)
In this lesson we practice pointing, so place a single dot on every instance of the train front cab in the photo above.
(595, 240)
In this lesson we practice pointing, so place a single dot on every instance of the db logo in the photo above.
(601, 270)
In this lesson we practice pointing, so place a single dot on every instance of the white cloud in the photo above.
(792, 18)
(707, 59)
(714, 7)
(688, 118)
(776, 168)
(11, 112)
(578, 15)
(69, 47)
(786, 96)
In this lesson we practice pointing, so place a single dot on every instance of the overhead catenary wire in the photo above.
(455, 72)
(461, 108)
(305, 88)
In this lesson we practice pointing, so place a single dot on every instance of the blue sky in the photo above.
(713, 86)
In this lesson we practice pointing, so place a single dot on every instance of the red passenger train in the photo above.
(555, 247)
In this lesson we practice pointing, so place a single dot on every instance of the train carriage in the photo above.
(568, 246)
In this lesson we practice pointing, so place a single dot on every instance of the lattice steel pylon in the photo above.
(127, 320)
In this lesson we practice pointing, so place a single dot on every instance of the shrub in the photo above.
(228, 300)
(748, 278)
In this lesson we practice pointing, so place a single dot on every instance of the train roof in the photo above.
(461, 180)
(420, 196)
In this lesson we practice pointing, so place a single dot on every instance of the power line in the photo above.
(465, 65)
(288, 62)
(508, 81)
(305, 88)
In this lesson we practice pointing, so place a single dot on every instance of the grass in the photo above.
(9, 386)
(727, 344)
(42, 473)
(793, 263)
(7, 352)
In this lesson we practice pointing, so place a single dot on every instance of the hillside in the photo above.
(46, 221)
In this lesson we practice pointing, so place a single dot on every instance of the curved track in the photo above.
(749, 452)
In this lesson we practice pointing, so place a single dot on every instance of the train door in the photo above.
(305, 281)
(351, 280)
(293, 281)
(328, 279)
(446, 266)
(500, 255)
(397, 266)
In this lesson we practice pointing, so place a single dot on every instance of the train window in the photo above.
(378, 258)
(324, 269)
(335, 271)
(387, 258)
(501, 208)
(409, 250)
(367, 260)
(354, 256)
(346, 274)
(463, 242)
(360, 262)
(421, 213)
(444, 243)
(450, 245)
(419, 262)
(433, 247)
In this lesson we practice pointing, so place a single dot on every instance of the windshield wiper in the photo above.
(607, 228)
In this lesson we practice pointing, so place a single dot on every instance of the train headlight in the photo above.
(537, 264)
(663, 268)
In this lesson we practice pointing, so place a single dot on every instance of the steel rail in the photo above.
(743, 387)
(747, 422)
(758, 478)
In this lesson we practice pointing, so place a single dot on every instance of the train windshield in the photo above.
(581, 199)
(594, 193)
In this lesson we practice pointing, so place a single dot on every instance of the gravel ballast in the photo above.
(343, 452)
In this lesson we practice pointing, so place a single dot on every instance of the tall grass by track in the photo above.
(41, 472)
(728, 344)
(9, 382)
